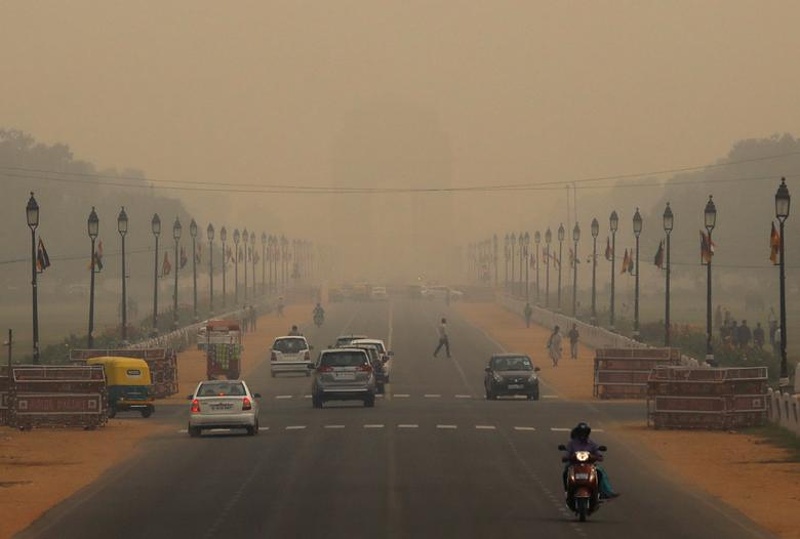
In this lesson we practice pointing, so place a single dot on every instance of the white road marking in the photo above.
(463, 396)
(307, 396)
(182, 431)
(373, 426)
(525, 428)
(559, 429)
(449, 427)
(484, 427)
(283, 396)
(550, 396)
(432, 395)
(334, 426)
(405, 426)
(263, 428)
(295, 427)
(400, 395)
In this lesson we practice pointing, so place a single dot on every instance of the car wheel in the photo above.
(112, 411)
(535, 395)
(272, 373)
(308, 373)
(369, 402)
(147, 412)
(194, 432)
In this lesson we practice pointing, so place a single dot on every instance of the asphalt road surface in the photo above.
(433, 459)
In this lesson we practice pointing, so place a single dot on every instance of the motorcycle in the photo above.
(583, 482)
(319, 318)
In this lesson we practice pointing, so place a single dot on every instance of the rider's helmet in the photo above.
(294, 328)
(581, 431)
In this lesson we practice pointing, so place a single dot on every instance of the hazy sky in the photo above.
(517, 91)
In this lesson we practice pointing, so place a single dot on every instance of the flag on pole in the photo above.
(184, 258)
(42, 259)
(609, 252)
(625, 262)
(631, 263)
(659, 259)
(166, 267)
(706, 248)
(198, 255)
(774, 244)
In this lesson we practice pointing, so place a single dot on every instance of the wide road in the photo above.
(432, 459)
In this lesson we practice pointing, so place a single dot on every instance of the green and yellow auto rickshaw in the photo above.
(129, 384)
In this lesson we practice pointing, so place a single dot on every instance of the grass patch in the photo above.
(778, 437)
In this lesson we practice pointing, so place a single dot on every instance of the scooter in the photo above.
(583, 483)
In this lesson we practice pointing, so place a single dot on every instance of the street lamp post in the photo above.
(176, 235)
(236, 237)
(93, 228)
(637, 230)
(285, 259)
(527, 247)
(210, 236)
(155, 226)
(223, 237)
(710, 221)
(521, 241)
(782, 203)
(263, 263)
(122, 228)
(507, 255)
(512, 243)
(272, 262)
(576, 235)
(32, 216)
(253, 258)
(613, 224)
(548, 237)
(560, 251)
(537, 239)
(494, 258)
(245, 237)
(193, 234)
(668, 224)
(595, 232)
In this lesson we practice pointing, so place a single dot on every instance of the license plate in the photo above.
(514, 386)
(222, 406)
(581, 476)
(345, 376)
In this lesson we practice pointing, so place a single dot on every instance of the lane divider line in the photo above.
(447, 427)
(484, 427)
(407, 426)
(295, 427)
(334, 426)
(373, 426)
(528, 429)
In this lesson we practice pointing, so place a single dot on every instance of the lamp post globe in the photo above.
(637, 230)
(595, 228)
(122, 228)
(669, 222)
(93, 229)
(613, 222)
(782, 205)
(32, 218)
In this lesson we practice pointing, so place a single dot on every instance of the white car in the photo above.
(442, 293)
(386, 355)
(290, 353)
(379, 293)
(223, 404)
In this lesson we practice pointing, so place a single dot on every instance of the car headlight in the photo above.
(533, 379)
(498, 378)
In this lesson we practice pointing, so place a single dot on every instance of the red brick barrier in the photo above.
(622, 373)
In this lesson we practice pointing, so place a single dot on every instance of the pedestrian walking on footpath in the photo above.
(527, 312)
(444, 340)
(573, 341)
(554, 345)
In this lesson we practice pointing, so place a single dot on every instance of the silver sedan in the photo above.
(223, 404)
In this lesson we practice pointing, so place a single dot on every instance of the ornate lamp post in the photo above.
(193, 234)
(285, 259)
(93, 228)
(668, 224)
(177, 229)
(595, 232)
(253, 258)
(245, 237)
(263, 263)
(32, 216)
(548, 237)
(782, 202)
(273, 261)
(521, 242)
(576, 235)
(526, 246)
(210, 236)
(507, 255)
(637, 230)
(223, 237)
(512, 243)
(537, 239)
(560, 251)
(236, 237)
(155, 226)
(122, 228)
(613, 222)
(710, 221)
(494, 258)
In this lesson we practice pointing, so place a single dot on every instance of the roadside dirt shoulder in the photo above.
(42, 467)
(741, 470)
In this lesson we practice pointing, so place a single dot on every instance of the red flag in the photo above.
(42, 259)
(625, 262)
(97, 258)
(631, 263)
(774, 244)
(659, 260)
(184, 258)
(166, 267)
(609, 252)
(706, 248)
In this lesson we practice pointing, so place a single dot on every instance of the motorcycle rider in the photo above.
(319, 313)
(294, 331)
(580, 441)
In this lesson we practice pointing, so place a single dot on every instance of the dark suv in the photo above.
(511, 374)
(343, 374)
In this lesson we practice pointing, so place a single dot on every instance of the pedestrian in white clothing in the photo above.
(554, 345)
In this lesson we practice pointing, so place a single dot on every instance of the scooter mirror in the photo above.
(603, 448)
(562, 447)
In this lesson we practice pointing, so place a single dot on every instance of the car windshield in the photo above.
(343, 359)
(520, 363)
(220, 388)
(289, 346)
(346, 339)
(374, 355)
